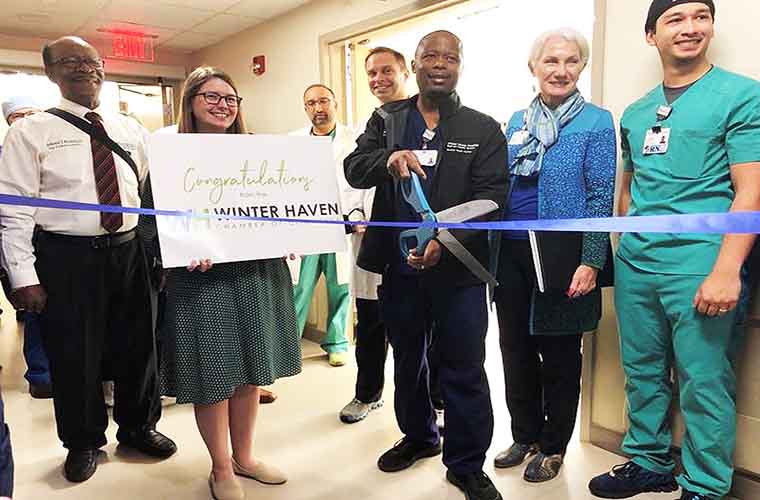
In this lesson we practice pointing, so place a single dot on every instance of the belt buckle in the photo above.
(100, 242)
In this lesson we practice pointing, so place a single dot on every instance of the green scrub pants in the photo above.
(338, 299)
(660, 329)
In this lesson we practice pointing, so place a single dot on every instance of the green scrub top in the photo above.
(714, 125)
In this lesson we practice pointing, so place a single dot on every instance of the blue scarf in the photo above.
(543, 126)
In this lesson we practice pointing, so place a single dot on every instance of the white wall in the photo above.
(291, 45)
(632, 67)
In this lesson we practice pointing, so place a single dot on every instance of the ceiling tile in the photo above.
(40, 24)
(83, 8)
(210, 5)
(189, 41)
(152, 14)
(265, 9)
(226, 24)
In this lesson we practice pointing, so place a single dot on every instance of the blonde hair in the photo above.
(569, 34)
(194, 81)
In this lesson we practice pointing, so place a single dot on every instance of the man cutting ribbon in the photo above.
(459, 156)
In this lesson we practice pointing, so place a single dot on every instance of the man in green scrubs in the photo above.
(322, 109)
(692, 145)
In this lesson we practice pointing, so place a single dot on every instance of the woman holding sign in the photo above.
(561, 157)
(228, 328)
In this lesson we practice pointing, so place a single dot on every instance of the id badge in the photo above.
(427, 157)
(656, 143)
(518, 138)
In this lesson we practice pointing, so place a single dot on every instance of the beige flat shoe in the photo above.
(263, 473)
(225, 490)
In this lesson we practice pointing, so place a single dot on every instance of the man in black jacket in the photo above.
(468, 154)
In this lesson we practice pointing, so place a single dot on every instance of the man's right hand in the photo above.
(29, 298)
(401, 163)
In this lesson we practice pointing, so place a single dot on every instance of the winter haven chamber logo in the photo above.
(251, 182)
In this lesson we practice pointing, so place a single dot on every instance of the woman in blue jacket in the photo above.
(561, 157)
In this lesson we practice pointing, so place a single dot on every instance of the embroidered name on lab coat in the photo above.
(457, 147)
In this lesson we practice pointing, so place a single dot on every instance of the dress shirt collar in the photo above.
(77, 109)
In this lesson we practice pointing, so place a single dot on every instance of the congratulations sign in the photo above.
(244, 175)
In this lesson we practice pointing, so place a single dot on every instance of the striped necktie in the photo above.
(106, 181)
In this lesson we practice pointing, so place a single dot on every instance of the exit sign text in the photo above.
(132, 47)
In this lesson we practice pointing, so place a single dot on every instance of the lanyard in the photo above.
(427, 138)
(663, 113)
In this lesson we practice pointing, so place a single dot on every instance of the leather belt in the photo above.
(98, 242)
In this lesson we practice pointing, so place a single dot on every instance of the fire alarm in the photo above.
(258, 65)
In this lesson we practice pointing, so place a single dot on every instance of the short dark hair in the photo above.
(460, 45)
(313, 85)
(400, 59)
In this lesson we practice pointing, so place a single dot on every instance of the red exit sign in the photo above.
(132, 47)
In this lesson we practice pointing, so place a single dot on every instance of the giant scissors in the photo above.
(419, 238)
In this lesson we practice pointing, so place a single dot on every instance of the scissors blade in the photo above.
(465, 257)
(466, 211)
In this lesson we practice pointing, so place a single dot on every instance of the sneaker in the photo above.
(688, 495)
(405, 453)
(440, 420)
(356, 410)
(336, 358)
(475, 485)
(543, 468)
(630, 479)
(514, 455)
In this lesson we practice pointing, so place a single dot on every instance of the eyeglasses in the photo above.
(73, 63)
(213, 98)
(322, 101)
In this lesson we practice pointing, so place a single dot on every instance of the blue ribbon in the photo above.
(720, 223)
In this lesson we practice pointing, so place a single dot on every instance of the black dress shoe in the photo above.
(514, 455)
(475, 485)
(41, 391)
(148, 441)
(80, 465)
(405, 453)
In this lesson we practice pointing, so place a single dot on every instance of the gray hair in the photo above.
(569, 34)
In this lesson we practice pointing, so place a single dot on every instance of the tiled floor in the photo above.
(324, 458)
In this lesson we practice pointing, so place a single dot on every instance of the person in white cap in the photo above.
(38, 368)
(19, 107)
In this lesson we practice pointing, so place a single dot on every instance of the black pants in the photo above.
(98, 303)
(409, 309)
(371, 351)
(434, 365)
(541, 373)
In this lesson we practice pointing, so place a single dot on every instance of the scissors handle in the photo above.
(418, 238)
(411, 189)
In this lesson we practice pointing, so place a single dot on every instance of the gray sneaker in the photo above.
(356, 410)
